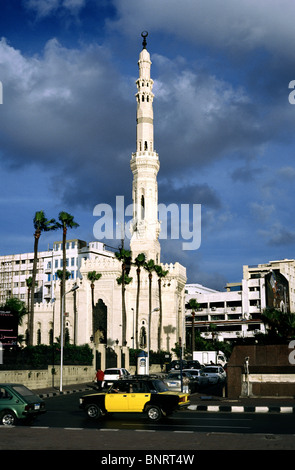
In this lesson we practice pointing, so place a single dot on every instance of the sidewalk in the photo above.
(199, 401)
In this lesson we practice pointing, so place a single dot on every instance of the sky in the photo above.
(223, 122)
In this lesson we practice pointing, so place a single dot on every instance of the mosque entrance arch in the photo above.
(100, 322)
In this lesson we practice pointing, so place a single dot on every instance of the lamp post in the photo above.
(133, 329)
(75, 287)
(148, 343)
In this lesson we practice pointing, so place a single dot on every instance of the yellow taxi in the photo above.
(135, 394)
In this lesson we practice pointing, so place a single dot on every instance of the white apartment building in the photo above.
(236, 312)
(16, 269)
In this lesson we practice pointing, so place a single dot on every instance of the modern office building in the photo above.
(16, 269)
(236, 312)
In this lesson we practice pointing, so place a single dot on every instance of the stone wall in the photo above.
(37, 379)
(270, 373)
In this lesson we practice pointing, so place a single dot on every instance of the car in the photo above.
(215, 374)
(201, 379)
(173, 381)
(112, 374)
(135, 394)
(17, 402)
(177, 363)
(194, 365)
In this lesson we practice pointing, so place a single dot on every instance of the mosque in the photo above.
(148, 312)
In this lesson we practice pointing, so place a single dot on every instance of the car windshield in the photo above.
(159, 386)
(22, 390)
(112, 372)
(211, 369)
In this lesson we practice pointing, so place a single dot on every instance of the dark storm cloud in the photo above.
(64, 112)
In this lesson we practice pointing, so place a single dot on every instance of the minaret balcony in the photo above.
(145, 153)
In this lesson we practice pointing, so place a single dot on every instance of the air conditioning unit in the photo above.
(233, 308)
(213, 309)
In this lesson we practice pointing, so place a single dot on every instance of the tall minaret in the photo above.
(145, 166)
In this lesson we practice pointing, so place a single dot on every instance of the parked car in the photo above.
(17, 402)
(173, 381)
(216, 374)
(175, 365)
(137, 394)
(112, 374)
(201, 379)
(194, 365)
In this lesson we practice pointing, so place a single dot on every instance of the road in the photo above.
(66, 427)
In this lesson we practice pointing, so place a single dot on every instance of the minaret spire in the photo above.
(145, 166)
(144, 34)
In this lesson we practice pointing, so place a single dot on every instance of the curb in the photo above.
(65, 392)
(243, 409)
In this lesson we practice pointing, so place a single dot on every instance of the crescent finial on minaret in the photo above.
(144, 34)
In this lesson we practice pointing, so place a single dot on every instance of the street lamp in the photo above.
(133, 329)
(148, 343)
(75, 287)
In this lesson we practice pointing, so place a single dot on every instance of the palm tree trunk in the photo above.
(123, 307)
(137, 306)
(160, 314)
(150, 309)
(64, 267)
(92, 304)
(34, 274)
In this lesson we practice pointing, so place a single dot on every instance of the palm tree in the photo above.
(125, 257)
(65, 221)
(161, 273)
(193, 305)
(139, 263)
(60, 275)
(41, 224)
(149, 266)
(280, 324)
(29, 281)
(93, 276)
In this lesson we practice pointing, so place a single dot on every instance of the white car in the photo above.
(215, 374)
(199, 376)
(110, 375)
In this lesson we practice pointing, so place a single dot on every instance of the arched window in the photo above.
(143, 337)
(142, 207)
(145, 145)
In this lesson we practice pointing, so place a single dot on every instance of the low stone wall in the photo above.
(270, 373)
(38, 379)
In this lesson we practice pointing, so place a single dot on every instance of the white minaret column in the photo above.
(145, 166)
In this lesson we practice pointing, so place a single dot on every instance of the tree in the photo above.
(193, 305)
(125, 257)
(161, 273)
(61, 275)
(93, 276)
(41, 224)
(66, 221)
(17, 307)
(281, 325)
(149, 266)
(29, 282)
(139, 263)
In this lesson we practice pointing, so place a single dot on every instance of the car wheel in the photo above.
(7, 418)
(93, 411)
(154, 413)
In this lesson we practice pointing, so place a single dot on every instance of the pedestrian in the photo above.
(99, 376)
